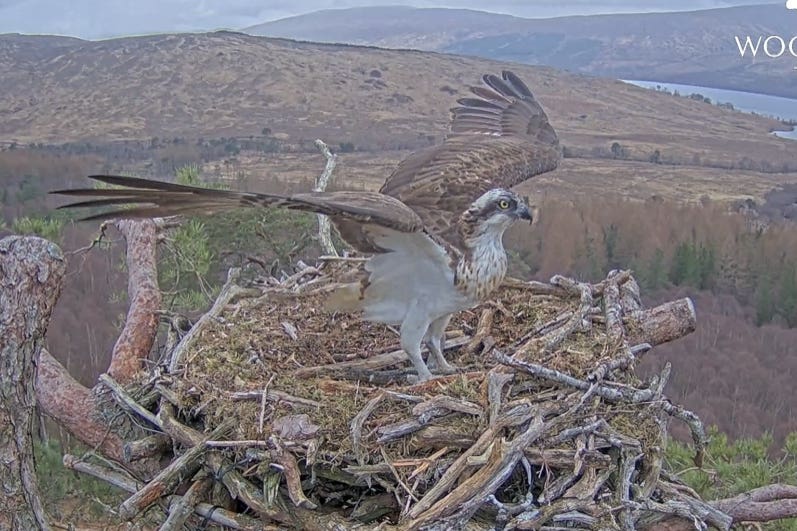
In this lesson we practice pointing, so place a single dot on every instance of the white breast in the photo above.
(483, 268)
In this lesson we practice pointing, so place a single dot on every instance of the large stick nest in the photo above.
(546, 426)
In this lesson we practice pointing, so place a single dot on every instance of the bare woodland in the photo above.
(547, 427)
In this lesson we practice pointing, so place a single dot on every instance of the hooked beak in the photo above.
(524, 212)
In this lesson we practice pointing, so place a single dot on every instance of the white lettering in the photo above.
(793, 45)
(780, 41)
(748, 43)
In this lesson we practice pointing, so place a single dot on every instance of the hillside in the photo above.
(178, 89)
(695, 47)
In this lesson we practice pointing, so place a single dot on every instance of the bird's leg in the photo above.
(413, 330)
(434, 340)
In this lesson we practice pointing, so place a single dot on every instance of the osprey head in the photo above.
(495, 210)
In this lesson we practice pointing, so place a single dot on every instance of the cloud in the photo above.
(791, 4)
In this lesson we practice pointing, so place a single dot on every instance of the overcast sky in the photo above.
(93, 19)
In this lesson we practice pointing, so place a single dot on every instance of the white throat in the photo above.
(483, 266)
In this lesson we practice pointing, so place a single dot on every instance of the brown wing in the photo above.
(148, 198)
(498, 139)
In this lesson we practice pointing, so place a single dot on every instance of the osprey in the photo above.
(434, 229)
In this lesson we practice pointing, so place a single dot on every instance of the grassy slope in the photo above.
(227, 84)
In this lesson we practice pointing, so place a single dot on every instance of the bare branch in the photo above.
(141, 325)
(324, 226)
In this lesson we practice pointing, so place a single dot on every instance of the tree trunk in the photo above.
(31, 275)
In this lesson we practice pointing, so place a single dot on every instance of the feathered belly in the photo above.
(398, 282)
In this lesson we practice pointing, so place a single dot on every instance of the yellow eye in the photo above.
(503, 204)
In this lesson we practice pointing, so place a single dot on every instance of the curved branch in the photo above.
(73, 406)
(141, 325)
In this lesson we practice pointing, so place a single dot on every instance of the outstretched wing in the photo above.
(499, 138)
(144, 198)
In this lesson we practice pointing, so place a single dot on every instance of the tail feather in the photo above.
(148, 198)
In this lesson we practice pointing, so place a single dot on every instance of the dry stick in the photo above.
(396, 475)
(698, 510)
(652, 469)
(437, 407)
(182, 509)
(263, 400)
(557, 289)
(621, 362)
(125, 400)
(614, 329)
(290, 470)
(353, 259)
(221, 469)
(170, 477)
(620, 277)
(468, 497)
(628, 461)
(488, 438)
(559, 458)
(612, 394)
(578, 321)
(356, 427)
(116, 478)
(324, 226)
(612, 309)
(397, 430)
(442, 404)
(630, 298)
(483, 329)
(590, 484)
(427, 462)
(129, 484)
(535, 287)
(441, 437)
(249, 443)
(545, 327)
(535, 518)
(496, 381)
(147, 447)
(294, 279)
(228, 293)
(169, 395)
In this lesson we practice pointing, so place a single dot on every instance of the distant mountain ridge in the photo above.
(694, 47)
(180, 89)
